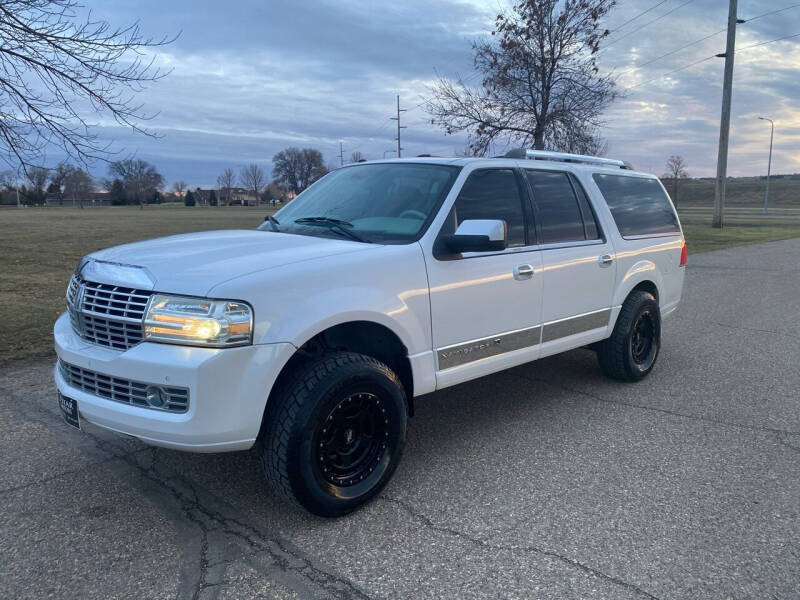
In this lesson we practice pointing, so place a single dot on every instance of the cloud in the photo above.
(253, 77)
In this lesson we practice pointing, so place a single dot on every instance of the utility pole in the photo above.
(725, 120)
(397, 118)
(769, 164)
(341, 154)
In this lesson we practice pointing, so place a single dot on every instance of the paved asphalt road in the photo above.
(547, 481)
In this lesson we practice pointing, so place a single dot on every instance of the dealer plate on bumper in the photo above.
(69, 408)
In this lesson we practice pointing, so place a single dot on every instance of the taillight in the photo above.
(683, 255)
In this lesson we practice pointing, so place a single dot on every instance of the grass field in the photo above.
(741, 191)
(40, 247)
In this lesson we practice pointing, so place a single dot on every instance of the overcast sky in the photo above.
(250, 78)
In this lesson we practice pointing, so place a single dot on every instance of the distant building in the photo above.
(237, 196)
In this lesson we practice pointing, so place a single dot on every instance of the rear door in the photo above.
(578, 262)
(484, 312)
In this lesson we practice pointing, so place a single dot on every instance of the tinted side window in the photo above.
(557, 207)
(639, 206)
(589, 220)
(493, 194)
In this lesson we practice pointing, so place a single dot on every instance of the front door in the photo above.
(485, 306)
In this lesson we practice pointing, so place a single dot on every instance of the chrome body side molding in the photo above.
(566, 327)
(460, 354)
(454, 356)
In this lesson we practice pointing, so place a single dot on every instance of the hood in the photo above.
(193, 263)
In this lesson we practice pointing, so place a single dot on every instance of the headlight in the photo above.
(198, 321)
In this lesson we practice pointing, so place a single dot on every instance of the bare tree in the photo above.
(225, 182)
(57, 70)
(78, 184)
(356, 157)
(8, 179)
(37, 177)
(297, 168)
(252, 179)
(57, 178)
(676, 170)
(179, 187)
(139, 178)
(540, 84)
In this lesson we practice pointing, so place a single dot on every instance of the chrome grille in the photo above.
(107, 315)
(121, 390)
(114, 301)
(108, 332)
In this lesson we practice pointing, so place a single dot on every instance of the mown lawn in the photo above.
(39, 248)
(701, 237)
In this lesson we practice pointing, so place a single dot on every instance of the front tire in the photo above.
(335, 433)
(631, 351)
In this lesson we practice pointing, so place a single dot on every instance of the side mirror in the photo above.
(478, 235)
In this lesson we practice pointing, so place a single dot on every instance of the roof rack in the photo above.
(564, 157)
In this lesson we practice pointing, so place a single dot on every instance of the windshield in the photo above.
(382, 202)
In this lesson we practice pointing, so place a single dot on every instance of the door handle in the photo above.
(605, 260)
(523, 272)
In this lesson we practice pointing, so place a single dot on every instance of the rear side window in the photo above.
(492, 194)
(563, 216)
(639, 206)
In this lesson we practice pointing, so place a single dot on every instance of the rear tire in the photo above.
(631, 351)
(335, 433)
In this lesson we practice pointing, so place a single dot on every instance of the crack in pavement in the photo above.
(527, 548)
(311, 579)
(758, 428)
(210, 520)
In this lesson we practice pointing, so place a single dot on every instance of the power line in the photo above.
(668, 73)
(697, 62)
(641, 14)
(772, 12)
(769, 42)
(666, 14)
(703, 39)
(650, 62)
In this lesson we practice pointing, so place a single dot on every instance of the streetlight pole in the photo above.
(769, 164)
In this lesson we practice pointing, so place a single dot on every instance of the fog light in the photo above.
(155, 396)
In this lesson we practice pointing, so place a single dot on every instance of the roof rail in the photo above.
(564, 157)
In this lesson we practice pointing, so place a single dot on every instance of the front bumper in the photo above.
(228, 389)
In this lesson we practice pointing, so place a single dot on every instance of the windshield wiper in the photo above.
(273, 222)
(337, 225)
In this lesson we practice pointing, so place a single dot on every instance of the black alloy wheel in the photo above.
(334, 432)
(643, 337)
(352, 439)
(630, 353)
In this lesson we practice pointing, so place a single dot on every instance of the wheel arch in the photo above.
(643, 275)
(364, 336)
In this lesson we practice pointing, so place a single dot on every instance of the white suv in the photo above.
(382, 282)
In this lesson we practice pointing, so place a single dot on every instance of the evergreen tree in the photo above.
(188, 199)
(212, 198)
(117, 193)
